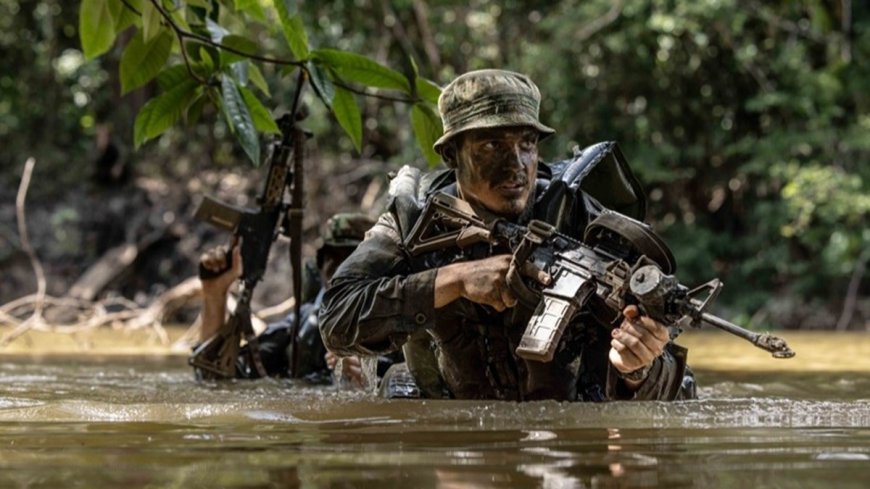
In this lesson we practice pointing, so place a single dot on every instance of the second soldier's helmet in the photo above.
(345, 230)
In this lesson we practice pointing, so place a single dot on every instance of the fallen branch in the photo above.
(278, 309)
(92, 315)
(36, 318)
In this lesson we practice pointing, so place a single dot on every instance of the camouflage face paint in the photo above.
(497, 167)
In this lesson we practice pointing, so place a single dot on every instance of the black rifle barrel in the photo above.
(773, 344)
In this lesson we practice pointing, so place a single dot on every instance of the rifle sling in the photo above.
(253, 345)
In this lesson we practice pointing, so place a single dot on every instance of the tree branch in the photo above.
(421, 15)
(596, 25)
(181, 33)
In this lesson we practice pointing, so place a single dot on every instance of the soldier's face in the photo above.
(496, 168)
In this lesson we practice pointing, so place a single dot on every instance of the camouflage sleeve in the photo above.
(669, 379)
(373, 302)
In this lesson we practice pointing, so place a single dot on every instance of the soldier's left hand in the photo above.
(637, 342)
(351, 368)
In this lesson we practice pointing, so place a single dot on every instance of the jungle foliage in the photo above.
(219, 66)
(747, 121)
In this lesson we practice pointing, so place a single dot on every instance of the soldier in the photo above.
(341, 234)
(464, 314)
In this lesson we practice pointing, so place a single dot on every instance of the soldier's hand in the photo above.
(351, 368)
(637, 342)
(485, 282)
(481, 281)
(222, 274)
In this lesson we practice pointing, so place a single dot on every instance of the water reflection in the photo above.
(118, 423)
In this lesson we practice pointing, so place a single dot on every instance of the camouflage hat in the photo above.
(489, 98)
(346, 229)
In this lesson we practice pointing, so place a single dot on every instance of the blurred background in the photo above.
(746, 121)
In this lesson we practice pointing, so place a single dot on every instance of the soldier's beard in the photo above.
(510, 206)
(514, 208)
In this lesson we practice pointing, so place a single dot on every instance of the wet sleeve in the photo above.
(666, 380)
(374, 302)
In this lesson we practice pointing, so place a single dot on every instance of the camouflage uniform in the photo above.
(341, 231)
(382, 299)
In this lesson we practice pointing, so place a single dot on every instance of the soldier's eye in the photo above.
(489, 146)
(529, 141)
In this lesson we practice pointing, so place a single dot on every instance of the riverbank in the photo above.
(708, 350)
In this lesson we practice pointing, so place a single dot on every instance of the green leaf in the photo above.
(323, 86)
(206, 58)
(427, 129)
(294, 30)
(239, 119)
(252, 8)
(96, 27)
(347, 113)
(358, 68)
(427, 90)
(172, 76)
(176, 74)
(142, 61)
(237, 43)
(194, 112)
(161, 112)
(288, 70)
(263, 120)
(125, 17)
(150, 21)
(179, 17)
(291, 6)
(257, 79)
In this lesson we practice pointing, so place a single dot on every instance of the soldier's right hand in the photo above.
(219, 268)
(481, 281)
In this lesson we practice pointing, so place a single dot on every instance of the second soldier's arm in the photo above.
(214, 289)
(374, 301)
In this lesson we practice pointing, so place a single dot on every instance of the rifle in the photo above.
(620, 262)
(257, 228)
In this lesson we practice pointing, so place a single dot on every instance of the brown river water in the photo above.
(134, 418)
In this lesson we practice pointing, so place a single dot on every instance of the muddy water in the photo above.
(140, 421)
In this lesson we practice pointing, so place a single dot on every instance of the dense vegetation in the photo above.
(747, 121)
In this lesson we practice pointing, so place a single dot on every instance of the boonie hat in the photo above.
(486, 99)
